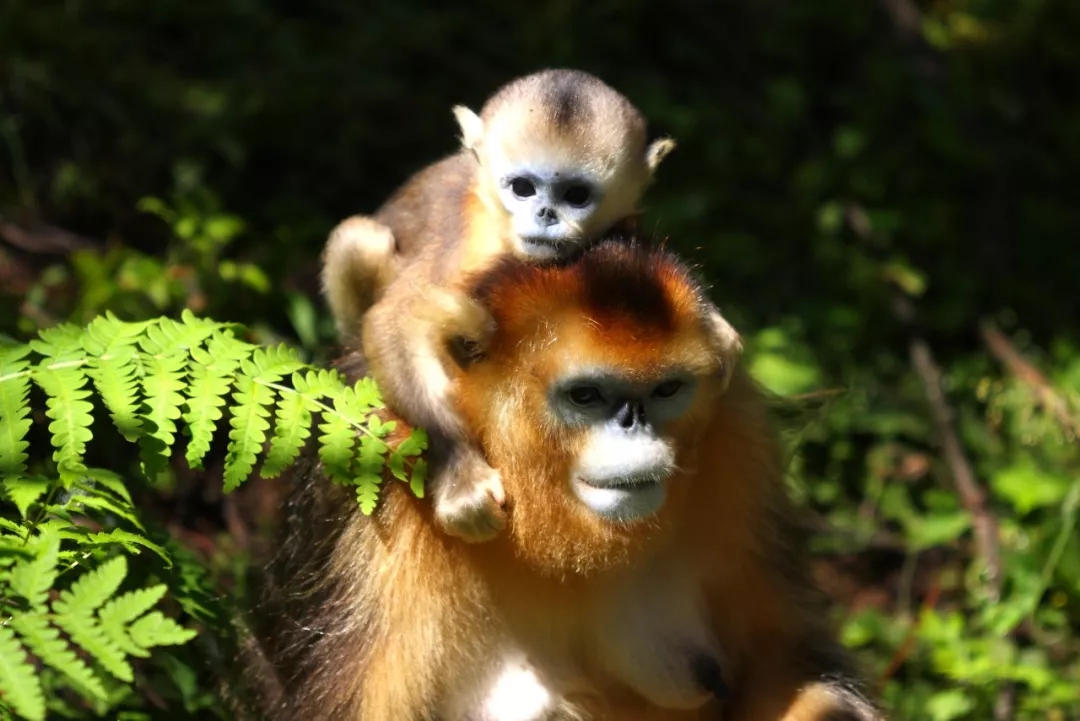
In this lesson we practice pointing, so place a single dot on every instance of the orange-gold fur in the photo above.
(385, 618)
(391, 280)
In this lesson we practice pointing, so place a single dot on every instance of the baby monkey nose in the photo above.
(547, 216)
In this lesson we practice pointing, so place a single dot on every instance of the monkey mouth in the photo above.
(541, 240)
(621, 499)
(622, 483)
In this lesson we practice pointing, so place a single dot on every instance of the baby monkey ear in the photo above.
(472, 127)
(657, 151)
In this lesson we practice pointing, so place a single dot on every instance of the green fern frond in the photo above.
(336, 444)
(74, 611)
(122, 610)
(157, 629)
(14, 411)
(24, 492)
(87, 619)
(249, 426)
(70, 412)
(112, 365)
(152, 374)
(163, 380)
(291, 429)
(211, 379)
(132, 542)
(32, 578)
(92, 589)
(87, 635)
(19, 684)
(43, 640)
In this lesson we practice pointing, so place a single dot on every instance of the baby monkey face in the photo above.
(550, 207)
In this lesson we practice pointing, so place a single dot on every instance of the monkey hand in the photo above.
(470, 500)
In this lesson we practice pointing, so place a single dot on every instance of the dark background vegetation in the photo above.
(884, 195)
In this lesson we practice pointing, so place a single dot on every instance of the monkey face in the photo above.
(550, 208)
(623, 463)
(590, 395)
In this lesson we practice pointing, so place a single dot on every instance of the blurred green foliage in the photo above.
(833, 157)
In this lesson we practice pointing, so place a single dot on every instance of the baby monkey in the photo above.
(553, 161)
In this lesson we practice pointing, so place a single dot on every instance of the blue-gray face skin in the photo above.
(550, 207)
(622, 471)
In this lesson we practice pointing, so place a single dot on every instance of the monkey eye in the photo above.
(668, 388)
(577, 195)
(585, 395)
(522, 187)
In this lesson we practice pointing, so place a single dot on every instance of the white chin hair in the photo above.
(621, 504)
(543, 251)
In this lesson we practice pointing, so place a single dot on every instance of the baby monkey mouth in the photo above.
(541, 240)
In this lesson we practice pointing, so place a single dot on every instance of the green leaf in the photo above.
(415, 444)
(19, 685)
(33, 578)
(1028, 487)
(419, 475)
(23, 492)
(106, 479)
(126, 608)
(14, 412)
(925, 532)
(113, 367)
(93, 588)
(164, 378)
(44, 641)
(396, 465)
(211, 379)
(70, 411)
(131, 541)
(87, 635)
(367, 492)
(249, 426)
(291, 428)
(950, 704)
(336, 444)
(155, 629)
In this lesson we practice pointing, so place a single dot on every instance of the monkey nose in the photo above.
(547, 216)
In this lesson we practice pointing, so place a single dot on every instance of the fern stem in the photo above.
(326, 409)
(59, 366)
(322, 406)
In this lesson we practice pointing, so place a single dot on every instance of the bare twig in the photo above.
(908, 644)
(1025, 372)
(972, 495)
(43, 238)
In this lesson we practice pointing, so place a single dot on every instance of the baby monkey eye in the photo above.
(577, 195)
(668, 388)
(585, 395)
(522, 187)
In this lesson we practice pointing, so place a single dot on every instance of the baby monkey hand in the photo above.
(469, 497)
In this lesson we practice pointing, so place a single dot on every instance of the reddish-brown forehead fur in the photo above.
(636, 300)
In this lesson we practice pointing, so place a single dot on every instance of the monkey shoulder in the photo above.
(428, 208)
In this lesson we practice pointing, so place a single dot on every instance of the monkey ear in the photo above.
(472, 127)
(658, 150)
(728, 342)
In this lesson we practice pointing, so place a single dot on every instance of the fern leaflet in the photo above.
(110, 344)
(249, 426)
(211, 378)
(44, 642)
(292, 421)
(19, 684)
(14, 411)
(32, 578)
